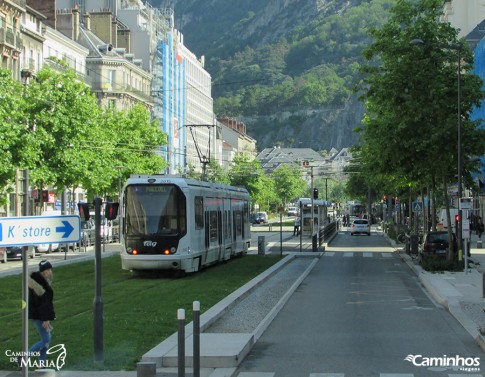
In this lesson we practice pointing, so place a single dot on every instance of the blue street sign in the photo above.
(417, 207)
(34, 230)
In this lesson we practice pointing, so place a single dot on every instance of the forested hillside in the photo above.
(287, 68)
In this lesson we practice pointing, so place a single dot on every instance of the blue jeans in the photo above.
(45, 338)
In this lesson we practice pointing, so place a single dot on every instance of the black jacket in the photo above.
(41, 298)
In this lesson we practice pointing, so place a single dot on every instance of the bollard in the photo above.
(196, 337)
(45, 373)
(314, 243)
(181, 343)
(146, 369)
(479, 244)
(261, 245)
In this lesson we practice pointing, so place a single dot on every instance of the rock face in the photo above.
(319, 129)
(220, 28)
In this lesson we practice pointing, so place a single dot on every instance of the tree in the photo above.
(409, 131)
(247, 172)
(136, 141)
(64, 118)
(289, 183)
(16, 143)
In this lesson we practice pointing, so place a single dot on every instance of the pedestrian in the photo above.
(41, 308)
(479, 227)
(296, 227)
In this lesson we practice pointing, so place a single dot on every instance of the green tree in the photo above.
(135, 144)
(64, 117)
(247, 172)
(16, 143)
(289, 183)
(409, 132)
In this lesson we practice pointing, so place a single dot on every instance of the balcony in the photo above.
(11, 39)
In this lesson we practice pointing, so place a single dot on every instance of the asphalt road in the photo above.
(360, 312)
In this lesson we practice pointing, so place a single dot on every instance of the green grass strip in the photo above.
(139, 313)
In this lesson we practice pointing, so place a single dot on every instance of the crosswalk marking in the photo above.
(350, 254)
(272, 374)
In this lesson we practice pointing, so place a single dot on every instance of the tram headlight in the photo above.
(173, 249)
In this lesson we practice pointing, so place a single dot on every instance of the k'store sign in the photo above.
(33, 230)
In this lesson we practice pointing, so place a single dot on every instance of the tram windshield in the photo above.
(155, 210)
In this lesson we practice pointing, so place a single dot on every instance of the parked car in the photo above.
(46, 247)
(360, 226)
(436, 244)
(292, 211)
(13, 252)
(261, 217)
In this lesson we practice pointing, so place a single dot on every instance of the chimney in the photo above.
(87, 20)
(75, 26)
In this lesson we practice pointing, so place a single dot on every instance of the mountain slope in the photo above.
(287, 68)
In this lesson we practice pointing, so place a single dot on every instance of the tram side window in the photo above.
(238, 215)
(199, 212)
(246, 212)
(213, 225)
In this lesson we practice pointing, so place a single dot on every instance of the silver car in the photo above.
(360, 226)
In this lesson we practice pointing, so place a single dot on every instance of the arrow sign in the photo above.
(67, 229)
(34, 230)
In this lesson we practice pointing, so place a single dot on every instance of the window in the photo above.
(213, 225)
(199, 212)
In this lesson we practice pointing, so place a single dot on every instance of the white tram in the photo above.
(175, 223)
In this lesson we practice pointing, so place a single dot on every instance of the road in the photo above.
(360, 312)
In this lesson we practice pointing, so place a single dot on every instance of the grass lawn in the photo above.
(138, 313)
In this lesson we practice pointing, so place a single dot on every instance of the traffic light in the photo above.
(315, 193)
(45, 196)
(457, 218)
(111, 210)
(83, 211)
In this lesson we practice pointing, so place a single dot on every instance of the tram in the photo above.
(181, 224)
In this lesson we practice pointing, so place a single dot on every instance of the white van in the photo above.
(443, 220)
(46, 247)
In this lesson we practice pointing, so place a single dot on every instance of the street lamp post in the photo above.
(119, 181)
(457, 47)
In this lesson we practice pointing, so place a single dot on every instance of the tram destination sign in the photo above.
(33, 230)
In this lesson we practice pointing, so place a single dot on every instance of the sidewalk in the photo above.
(459, 292)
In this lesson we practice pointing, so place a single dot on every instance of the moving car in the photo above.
(360, 226)
(261, 218)
(436, 244)
(292, 211)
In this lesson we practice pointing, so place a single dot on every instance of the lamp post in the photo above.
(119, 181)
(457, 47)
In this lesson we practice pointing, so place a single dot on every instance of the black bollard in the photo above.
(181, 343)
(196, 336)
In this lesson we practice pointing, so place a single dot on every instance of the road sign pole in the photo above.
(98, 301)
(25, 281)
